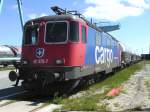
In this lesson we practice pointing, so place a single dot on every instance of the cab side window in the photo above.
(84, 40)
(31, 35)
(74, 31)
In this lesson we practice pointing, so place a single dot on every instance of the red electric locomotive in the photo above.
(62, 51)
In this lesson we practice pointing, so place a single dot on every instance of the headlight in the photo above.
(60, 61)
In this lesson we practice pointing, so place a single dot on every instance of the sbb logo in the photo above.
(40, 52)
(103, 55)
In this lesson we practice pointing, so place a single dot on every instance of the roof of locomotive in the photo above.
(57, 18)
(64, 17)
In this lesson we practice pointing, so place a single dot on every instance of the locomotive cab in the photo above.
(54, 43)
(52, 51)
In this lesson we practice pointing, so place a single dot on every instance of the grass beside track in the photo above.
(7, 68)
(90, 101)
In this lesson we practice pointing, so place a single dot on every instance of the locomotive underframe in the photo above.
(52, 79)
(61, 73)
(54, 73)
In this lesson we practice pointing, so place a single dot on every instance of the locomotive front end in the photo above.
(50, 52)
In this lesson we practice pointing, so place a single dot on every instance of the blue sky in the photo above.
(133, 15)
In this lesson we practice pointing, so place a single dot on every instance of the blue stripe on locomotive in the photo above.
(91, 45)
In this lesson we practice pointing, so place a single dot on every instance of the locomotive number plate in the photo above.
(40, 61)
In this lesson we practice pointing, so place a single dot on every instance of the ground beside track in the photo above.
(135, 95)
(95, 99)
(4, 81)
(6, 86)
(10, 67)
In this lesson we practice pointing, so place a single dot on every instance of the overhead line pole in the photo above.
(1, 3)
(20, 13)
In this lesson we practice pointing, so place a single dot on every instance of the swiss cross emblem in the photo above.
(39, 52)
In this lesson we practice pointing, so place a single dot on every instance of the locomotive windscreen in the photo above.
(56, 32)
(31, 34)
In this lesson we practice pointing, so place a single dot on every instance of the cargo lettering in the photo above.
(103, 55)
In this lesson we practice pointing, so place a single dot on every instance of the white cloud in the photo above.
(115, 9)
(33, 15)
